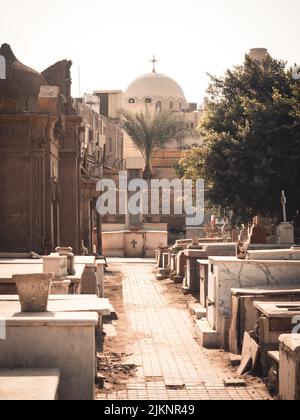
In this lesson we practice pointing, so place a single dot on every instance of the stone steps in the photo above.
(207, 336)
(197, 311)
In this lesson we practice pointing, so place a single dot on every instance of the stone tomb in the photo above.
(64, 341)
(56, 264)
(275, 319)
(285, 233)
(203, 272)
(100, 269)
(192, 273)
(9, 267)
(274, 254)
(226, 273)
(244, 315)
(63, 338)
(29, 384)
(180, 267)
(289, 367)
(133, 243)
(199, 232)
(191, 281)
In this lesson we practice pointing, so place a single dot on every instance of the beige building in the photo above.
(153, 92)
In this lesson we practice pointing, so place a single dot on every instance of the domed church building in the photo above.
(154, 92)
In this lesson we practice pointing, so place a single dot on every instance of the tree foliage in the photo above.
(251, 151)
(150, 133)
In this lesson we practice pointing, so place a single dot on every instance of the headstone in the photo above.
(226, 231)
(244, 234)
(234, 235)
(195, 241)
(285, 234)
(68, 252)
(213, 228)
(285, 231)
(258, 234)
(241, 250)
(199, 232)
(55, 264)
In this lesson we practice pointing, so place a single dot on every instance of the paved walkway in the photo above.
(172, 365)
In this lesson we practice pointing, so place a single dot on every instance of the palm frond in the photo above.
(150, 133)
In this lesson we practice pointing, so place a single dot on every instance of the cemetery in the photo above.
(248, 295)
(42, 312)
(149, 240)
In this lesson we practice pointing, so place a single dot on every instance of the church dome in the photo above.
(155, 85)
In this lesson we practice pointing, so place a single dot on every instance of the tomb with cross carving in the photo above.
(285, 230)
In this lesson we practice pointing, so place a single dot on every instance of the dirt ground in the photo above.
(114, 350)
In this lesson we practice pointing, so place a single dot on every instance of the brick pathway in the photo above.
(172, 365)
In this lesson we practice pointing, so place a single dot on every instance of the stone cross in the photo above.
(154, 61)
(134, 243)
(283, 202)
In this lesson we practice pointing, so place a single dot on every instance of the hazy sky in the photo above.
(113, 40)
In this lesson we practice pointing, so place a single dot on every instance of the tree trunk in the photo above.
(147, 172)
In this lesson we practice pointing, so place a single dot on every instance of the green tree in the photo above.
(151, 133)
(251, 131)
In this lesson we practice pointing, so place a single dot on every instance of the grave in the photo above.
(9, 267)
(191, 281)
(56, 264)
(29, 384)
(89, 283)
(285, 231)
(199, 232)
(258, 233)
(289, 367)
(234, 234)
(244, 234)
(159, 255)
(180, 267)
(275, 319)
(226, 273)
(56, 340)
(68, 252)
(10, 304)
(183, 243)
(273, 254)
(203, 271)
(192, 272)
(100, 268)
(244, 315)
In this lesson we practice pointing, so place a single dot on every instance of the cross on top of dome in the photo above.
(154, 61)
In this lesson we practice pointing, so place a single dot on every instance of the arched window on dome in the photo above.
(171, 105)
(180, 106)
(2, 67)
(148, 101)
(158, 106)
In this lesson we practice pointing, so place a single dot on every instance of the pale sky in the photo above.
(112, 41)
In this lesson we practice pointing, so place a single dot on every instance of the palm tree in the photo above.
(151, 133)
